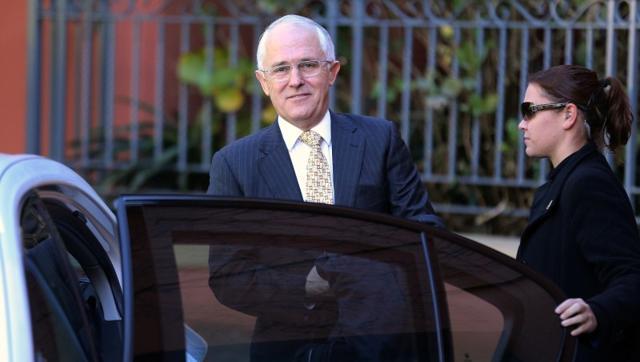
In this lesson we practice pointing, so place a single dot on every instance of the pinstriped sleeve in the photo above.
(222, 181)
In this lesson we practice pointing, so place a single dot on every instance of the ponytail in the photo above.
(609, 115)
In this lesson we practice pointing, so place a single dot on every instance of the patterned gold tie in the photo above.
(318, 174)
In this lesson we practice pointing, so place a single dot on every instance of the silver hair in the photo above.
(323, 36)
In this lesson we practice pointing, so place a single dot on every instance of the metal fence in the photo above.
(140, 91)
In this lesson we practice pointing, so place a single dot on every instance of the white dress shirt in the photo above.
(299, 151)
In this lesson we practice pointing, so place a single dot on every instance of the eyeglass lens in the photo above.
(308, 68)
(525, 110)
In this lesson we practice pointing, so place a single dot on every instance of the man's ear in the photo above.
(333, 72)
(570, 115)
(263, 81)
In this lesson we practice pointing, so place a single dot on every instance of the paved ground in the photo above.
(504, 244)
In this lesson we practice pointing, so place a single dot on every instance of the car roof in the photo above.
(24, 172)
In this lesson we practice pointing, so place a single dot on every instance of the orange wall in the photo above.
(13, 76)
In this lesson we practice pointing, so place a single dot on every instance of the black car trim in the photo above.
(59, 317)
(437, 300)
(127, 281)
(87, 253)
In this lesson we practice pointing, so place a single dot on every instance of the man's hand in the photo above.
(576, 312)
(315, 285)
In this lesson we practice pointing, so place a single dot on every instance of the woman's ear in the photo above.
(570, 116)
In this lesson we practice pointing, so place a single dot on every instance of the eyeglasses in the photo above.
(528, 109)
(306, 68)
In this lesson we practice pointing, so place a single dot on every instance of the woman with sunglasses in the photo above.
(582, 232)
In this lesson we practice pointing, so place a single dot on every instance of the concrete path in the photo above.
(504, 244)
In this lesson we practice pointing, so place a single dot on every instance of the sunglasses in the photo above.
(528, 109)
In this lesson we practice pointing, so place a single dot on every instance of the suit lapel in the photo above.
(275, 166)
(348, 150)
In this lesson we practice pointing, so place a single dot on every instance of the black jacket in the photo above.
(582, 235)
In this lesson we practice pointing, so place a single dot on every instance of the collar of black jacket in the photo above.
(546, 198)
(570, 162)
(547, 195)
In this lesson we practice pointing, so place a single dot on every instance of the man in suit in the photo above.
(356, 162)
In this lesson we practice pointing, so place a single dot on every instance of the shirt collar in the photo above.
(290, 133)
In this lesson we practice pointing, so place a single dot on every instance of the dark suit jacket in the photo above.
(372, 170)
(582, 235)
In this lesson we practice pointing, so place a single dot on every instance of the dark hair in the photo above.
(604, 103)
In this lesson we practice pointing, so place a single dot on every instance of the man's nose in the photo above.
(295, 77)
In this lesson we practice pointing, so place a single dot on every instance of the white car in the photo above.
(186, 277)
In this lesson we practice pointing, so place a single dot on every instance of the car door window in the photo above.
(236, 273)
(499, 310)
(237, 277)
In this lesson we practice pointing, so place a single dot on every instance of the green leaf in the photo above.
(451, 87)
(193, 70)
(223, 79)
(229, 100)
(512, 133)
(190, 68)
(481, 105)
(490, 103)
(446, 31)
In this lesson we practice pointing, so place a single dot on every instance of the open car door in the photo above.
(243, 274)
